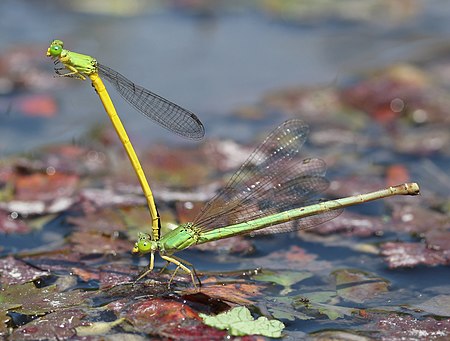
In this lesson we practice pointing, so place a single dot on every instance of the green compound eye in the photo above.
(55, 50)
(144, 246)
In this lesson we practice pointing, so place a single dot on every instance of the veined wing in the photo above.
(273, 179)
(166, 113)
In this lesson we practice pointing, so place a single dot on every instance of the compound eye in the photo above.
(144, 246)
(55, 50)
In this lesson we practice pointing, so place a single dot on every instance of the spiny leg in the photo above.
(150, 268)
(74, 73)
(164, 267)
(179, 263)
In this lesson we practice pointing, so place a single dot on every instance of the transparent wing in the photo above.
(169, 115)
(273, 179)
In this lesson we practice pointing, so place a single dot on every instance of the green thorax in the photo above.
(84, 64)
(181, 238)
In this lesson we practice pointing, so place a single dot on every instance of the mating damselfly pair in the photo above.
(274, 191)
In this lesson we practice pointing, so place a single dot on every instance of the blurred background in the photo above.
(219, 59)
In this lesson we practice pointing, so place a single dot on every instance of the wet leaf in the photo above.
(97, 328)
(236, 245)
(91, 243)
(400, 255)
(4, 319)
(358, 286)
(283, 308)
(294, 258)
(236, 292)
(108, 198)
(418, 219)
(169, 319)
(351, 224)
(395, 327)
(438, 240)
(321, 303)
(438, 305)
(239, 322)
(37, 301)
(14, 271)
(283, 278)
(54, 326)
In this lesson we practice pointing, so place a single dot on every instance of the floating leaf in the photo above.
(236, 292)
(351, 224)
(169, 319)
(282, 308)
(239, 322)
(91, 243)
(313, 303)
(358, 286)
(30, 300)
(395, 327)
(14, 271)
(54, 326)
(438, 305)
(284, 278)
(97, 328)
(399, 255)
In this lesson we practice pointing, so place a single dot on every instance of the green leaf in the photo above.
(284, 278)
(320, 302)
(239, 322)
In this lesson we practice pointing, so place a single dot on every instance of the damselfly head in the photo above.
(144, 245)
(55, 48)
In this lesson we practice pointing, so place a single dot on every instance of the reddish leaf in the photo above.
(294, 258)
(395, 327)
(399, 255)
(418, 219)
(37, 105)
(438, 240)
(351, 224)
(14, 271)
(89, 243)
(237, 292)
(397, 174)
(54, 326)
(12, 224)
(45, 187)
(170, 319)
(231, 245)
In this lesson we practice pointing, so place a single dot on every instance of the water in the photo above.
(211, 64)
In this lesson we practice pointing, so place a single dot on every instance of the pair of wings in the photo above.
(273, 179)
